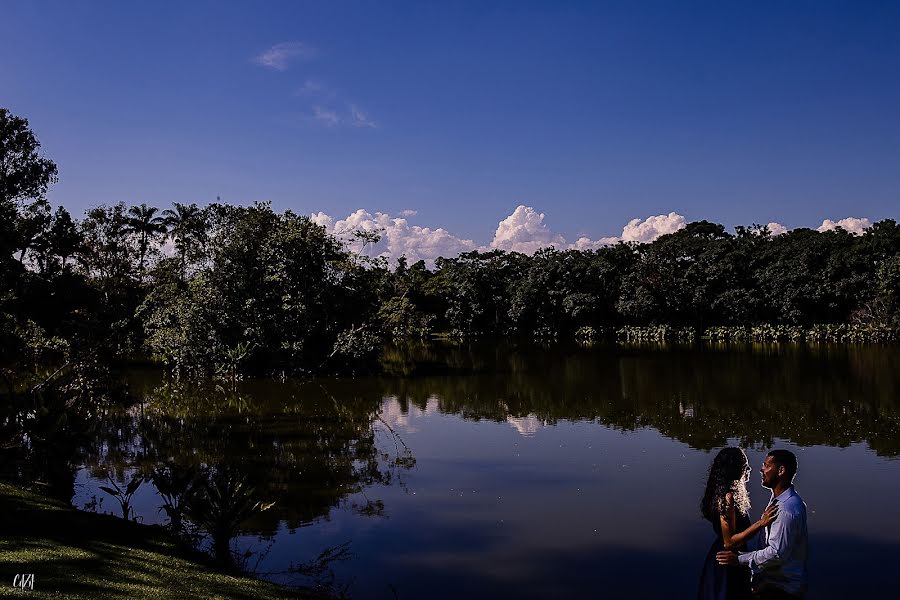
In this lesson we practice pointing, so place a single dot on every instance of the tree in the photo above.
(64, 238)
(24, 174)
(274, 282)
(148, 227)
(32, 225)
(105, 254)
(188, 227)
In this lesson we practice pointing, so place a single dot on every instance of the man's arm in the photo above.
(780, 539)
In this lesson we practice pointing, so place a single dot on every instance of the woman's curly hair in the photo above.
(728, 473)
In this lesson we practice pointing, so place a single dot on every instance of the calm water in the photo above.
(529, 472)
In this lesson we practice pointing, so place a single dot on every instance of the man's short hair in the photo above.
(786, 459)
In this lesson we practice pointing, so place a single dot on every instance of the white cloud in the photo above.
(326, 116)
(854, 225)
(525, 231)
(398, 237)
(280, 56)
(586, 243)
(353, 117)
(326, 110)
(324, 220)
(522, 231)
(652, 227)
(637, 230)
(359, 119)
(777, 228)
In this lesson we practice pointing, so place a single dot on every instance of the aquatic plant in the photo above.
(221, 501)
(124, 495)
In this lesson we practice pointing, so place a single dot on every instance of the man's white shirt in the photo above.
(783, 547)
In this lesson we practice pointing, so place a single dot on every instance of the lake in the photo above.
(527, 471)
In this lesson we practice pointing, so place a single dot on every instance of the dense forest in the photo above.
(245, 289)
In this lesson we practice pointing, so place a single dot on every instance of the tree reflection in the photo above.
(242, 459)
(702, 396)
(248, 457)
(221, 500)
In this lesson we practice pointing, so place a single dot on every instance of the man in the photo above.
(778, 568)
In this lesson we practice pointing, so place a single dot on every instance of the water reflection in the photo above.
(294, 444)
(505, 470)
(811, 395)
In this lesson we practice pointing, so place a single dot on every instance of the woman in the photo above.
(726, 505)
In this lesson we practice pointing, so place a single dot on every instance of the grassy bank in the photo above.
(74, 554)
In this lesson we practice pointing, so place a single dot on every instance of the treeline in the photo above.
(233, 289)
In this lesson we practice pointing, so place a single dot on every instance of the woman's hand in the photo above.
(769, 515)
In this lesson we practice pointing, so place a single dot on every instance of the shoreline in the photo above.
(77, 554)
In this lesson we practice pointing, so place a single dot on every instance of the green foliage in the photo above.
(220, 501)
(24, 174)
(175, 484)
(657, 333)
(886, 309)
(355, 348)
(586, 334)
(401, 318)
(180, 322)
(276, 283)
(188, 225)
(474, 289)
(253, 291)
(148, 227)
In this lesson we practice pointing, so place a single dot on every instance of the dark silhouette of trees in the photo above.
(24, 174)
(251, 290)
(187, 226)
(149, 228)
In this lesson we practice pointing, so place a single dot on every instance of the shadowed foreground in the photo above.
(83, 555)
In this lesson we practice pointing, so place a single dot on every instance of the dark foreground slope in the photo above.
(74, 554)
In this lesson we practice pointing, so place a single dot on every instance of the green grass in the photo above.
(84, 555)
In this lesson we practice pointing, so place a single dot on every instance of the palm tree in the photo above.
(187, 227)
(149, 227)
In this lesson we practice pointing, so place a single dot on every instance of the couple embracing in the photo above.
(765, 559)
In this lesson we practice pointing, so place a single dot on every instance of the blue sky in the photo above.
(592, 113)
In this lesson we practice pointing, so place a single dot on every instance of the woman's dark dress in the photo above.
(724, 583)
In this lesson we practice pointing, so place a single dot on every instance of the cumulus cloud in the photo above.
(777, 228)
(652, 227)
(586, 243)
(398, 237)
(525, 231)
(323, 220)
(854, 225)
(280, 56)
(636, 230)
